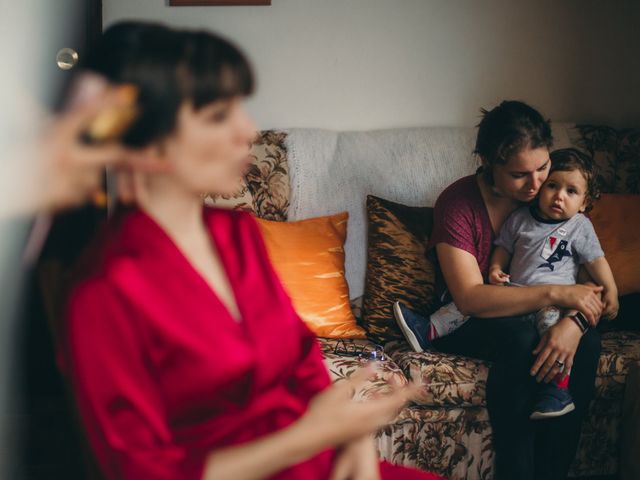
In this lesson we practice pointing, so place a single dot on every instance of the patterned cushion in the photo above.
(601, 143)
(397, 265)
(616, 154)
(628, 161)
(342, 367)
(268, 177)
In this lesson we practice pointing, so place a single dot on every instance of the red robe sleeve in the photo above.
(117, 395)
(310, 376)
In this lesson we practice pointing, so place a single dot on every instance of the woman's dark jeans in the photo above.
(525, 449)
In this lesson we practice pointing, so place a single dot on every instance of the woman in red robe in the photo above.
(185, 355)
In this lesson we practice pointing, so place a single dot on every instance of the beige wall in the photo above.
(360, 64)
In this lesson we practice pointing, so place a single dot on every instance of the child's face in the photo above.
(563, 195)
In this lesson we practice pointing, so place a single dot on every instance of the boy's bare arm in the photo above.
(601, 273)
(500, 260)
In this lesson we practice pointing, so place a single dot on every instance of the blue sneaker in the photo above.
(413, 326)
(552, 402)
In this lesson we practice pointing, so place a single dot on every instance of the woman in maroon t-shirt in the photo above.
(513, 145)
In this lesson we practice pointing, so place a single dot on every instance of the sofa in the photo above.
(447, 431)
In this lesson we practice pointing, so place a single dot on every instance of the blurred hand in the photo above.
(69, 171)
(51, 168)
(341, 419)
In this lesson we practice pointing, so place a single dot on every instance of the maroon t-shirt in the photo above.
(460, 219)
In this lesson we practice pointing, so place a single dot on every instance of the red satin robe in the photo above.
(163, 374)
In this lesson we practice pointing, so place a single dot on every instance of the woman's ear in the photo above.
(486, 170)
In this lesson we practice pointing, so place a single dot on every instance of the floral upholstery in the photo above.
(453, 442)
(456, 381)
(619, 350)
(598, 449)
(268, 177)
(241, 200)
(265, 189)
(628, 163)
(449, 380)
(448, 430)
(341, 367)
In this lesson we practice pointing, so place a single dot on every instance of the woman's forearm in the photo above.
(472, 297)
(487, 301)
(498, 301)
(265, 456)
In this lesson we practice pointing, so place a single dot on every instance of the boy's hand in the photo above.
(611, 305)
(498, 277)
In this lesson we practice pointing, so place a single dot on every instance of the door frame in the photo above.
(93, 21)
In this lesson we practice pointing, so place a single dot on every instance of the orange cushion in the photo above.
(616, 219)
(308, 255)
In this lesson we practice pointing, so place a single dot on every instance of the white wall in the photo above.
(361, 64)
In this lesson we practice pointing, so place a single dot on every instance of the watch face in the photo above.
(582, 318)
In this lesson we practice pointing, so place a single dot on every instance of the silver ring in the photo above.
(559, 363)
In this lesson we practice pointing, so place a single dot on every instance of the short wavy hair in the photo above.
(570, 159)
(169, 67)
(508, 129)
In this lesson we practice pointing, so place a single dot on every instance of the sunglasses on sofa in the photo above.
(371, 351)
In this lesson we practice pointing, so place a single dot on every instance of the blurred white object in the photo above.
(28, 27)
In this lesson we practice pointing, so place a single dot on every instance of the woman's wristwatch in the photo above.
(581, 321)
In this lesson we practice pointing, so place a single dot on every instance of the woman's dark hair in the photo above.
(508, 129)
(570, 159)
(168, 67)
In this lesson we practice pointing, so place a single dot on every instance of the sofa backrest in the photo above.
(301, 173)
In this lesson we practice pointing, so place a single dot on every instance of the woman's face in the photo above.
(521, 177)
(209, 150)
